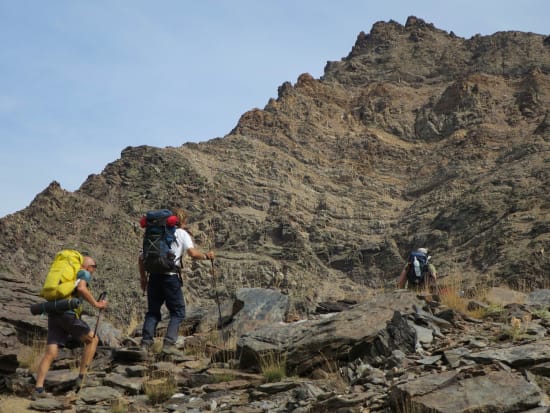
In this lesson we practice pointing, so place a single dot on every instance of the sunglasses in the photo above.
(93, 265)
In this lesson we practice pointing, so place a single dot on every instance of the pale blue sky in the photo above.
(80, 80)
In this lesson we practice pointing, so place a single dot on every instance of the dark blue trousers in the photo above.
(163, 289)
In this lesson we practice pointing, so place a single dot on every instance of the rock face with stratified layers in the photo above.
(417, 138)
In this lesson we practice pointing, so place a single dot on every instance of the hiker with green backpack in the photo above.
(68, 277)
(165, 244)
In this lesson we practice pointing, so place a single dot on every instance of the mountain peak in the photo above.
(416, 138)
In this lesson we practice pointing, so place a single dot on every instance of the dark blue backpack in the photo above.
(160, 233)
(418, 271)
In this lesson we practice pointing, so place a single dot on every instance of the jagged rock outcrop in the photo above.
(416, 138)
(350, 334)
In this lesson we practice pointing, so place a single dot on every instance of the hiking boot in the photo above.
(41, 395)
(171, 350)
(146, 348)
(78, 384)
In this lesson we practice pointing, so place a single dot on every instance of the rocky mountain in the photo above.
(417, 137)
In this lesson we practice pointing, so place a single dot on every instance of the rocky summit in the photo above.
(417, 138)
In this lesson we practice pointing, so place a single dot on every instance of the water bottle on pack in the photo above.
(417, 270)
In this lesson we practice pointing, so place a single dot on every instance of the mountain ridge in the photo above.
(416, 138)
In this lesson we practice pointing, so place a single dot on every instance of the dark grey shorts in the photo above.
(63, 325)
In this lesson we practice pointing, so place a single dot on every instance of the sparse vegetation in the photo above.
(273, 366)
(542, 313)
(515, 329)
(220, 378)
(224, 339)
(335, 374)
(133, 323)
(450, 296)
(119, 405)
(493, 310)
(159, 387)
(451, 292)
(518, 327)
(30, 355)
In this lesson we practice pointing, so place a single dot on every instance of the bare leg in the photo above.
(90, 346)
(49, 356)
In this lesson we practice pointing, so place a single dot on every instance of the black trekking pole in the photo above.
(217, 298)
(101, 298)
(80, 380)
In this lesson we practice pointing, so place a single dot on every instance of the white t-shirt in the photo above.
(180, 246)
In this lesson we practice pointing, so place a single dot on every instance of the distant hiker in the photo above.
(418, 271)
(68, 323)
(165, 243)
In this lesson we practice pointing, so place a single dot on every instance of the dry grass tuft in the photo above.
(159, 387)
(221, 378)
(335, 374)
(542, 313)
(452, 294)
(29, 356)
(120, 405)
(132, 325)
(518, 327)
(224, 339)
(452, 298)
(273, 366)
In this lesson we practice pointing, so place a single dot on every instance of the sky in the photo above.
(80, 80)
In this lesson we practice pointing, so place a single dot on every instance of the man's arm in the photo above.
(188, 245)
(197, 255)
(83, 291)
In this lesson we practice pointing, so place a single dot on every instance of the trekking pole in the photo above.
(217, 298)
(80, 380)
(101, 298)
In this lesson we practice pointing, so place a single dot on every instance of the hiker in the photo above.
(165, 288)
(426, 271)
(68, 323)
